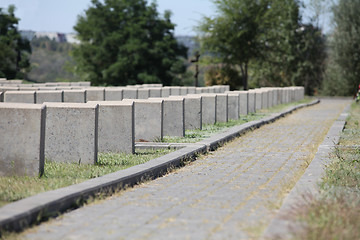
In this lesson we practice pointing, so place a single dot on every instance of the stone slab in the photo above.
(208, 108)
(148, 119)
(173, 116)
(143, 93)
(95, 94)
(251, 101)
(165, 92)
(20, 96)
(155, 92)
(116, 126)
(233, 106)
(75, 96)
(113, 94)
(49, 96)
(22, 141)
(71, 132)
(130, 93)
(192, 111)
(221, 107)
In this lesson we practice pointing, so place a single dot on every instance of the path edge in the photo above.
(24, 213)
(280, 227)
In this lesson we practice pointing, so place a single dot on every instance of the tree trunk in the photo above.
(244, 73)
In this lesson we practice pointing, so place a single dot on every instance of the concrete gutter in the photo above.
(281, 227)
(26, 212)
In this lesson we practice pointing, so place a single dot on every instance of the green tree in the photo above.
(127, 42)
(233, 34)
(14, 50)
(345, 44)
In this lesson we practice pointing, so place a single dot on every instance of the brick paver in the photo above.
(231, 193)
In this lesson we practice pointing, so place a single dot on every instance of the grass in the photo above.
(334, 212)
(58, 175)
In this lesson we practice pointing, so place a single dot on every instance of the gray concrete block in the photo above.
(191, 90)
(174, 91)
(22, 131)
(192, 111)
(49, 96)
(95, 94)
(243, 101)
(233, 106)
(75, 96)
(155, 92)
(113, 94)
(258, 99)
(251, 101)
(8, 88)
(173, 116)
(143, 93)
(71, 132)
(20, 96)
(165, 92)
(264, 98)
(221, 107)
(1, 97)
(84, 84)
(116, 127)
(183, 91)
(28, 88)
(130, 93)
(148, 119)
(208, 108)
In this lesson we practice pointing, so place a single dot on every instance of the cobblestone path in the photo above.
(231, 193)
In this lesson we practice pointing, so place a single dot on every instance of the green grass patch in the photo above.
(334, 212)
(58, 175)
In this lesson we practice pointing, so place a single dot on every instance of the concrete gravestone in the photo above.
(22, 139)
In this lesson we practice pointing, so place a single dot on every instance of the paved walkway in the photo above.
(232, 193)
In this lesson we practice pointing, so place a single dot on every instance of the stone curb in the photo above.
(279, 227)
(26, 212)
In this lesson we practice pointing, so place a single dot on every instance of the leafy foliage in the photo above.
(345, 46)
(51, 61)
(14, 50)
(266, 40)
(126, 42)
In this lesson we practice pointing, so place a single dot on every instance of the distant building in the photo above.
(58, 37)
(71, 38)
(28, 34)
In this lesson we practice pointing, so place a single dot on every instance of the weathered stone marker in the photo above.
(20, 96)
(148, 119)
(233, 106)
(192, 111)
(75, 96)
(221, 107)
(95, 94)
(71, 132)
(113, 94)
(49, 96)
(116, 126)
(22, 139)
(173, 116)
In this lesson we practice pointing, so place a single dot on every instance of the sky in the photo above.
(61, 15)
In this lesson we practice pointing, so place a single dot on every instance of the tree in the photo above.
(232, 35)
(14, 50)
(126, 42)
(346, 43)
